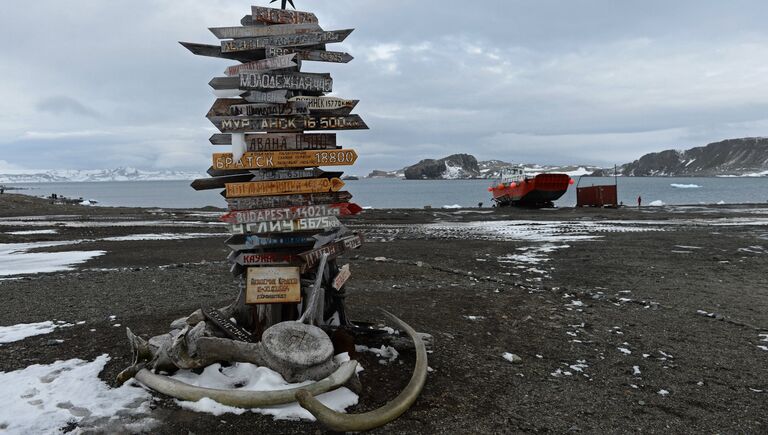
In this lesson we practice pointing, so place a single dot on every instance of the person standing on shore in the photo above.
(639, 201)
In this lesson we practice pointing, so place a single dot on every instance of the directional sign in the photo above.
(271, 97)
(259, 31)
(310, 55)
(288, 226)
(295, 40)
(292, 174)
(342, 277)
(285, 159)
(235, 124)
(274, 214)
(265, 259)
(326, 104)
(224, 107)
(244, 242)
(333, 250)
(215, 51)
(279, 62)
(220, 182)
(281, 16)
(283, 187)
(273, 285)
(226, 325)
(281, 142)
(266, 80)
(288, 200)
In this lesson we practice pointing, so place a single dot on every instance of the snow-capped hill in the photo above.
(95, 175)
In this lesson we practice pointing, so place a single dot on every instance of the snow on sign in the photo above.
(273, 285)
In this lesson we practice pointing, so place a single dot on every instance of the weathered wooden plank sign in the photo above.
(215, 51)
(292, 174)
(288, 226)
(270, 97)
(310, 55)
(265, 259)
(250, 31)
(281, 16)
(326, 104)
(245, 242)
(232, 330)
(285, 159)
(224, 107)
(273, 285)
(333, 250)
(268, 188)
(279, 62)
(220, 182)
(290, 213)
(281, 142)
(288, 200)
(342, 277)
(294, 40)
(266, 80)
(234, 124)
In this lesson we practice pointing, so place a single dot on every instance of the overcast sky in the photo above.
(87, 84)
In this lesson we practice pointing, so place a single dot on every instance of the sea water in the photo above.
(395, 193)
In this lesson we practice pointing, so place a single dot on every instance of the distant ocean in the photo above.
(394, 193)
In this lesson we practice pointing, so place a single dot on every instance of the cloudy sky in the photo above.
(91, 84)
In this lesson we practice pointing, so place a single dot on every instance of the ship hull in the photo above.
(540, 191)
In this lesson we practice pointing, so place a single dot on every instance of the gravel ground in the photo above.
(581, 296)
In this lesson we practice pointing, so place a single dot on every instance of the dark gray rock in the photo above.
(457, 166)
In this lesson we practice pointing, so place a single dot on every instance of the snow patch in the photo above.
(10, 334)
(163, 236)
(657, 203)
(31, 232)
(16, 260)
(685, 186)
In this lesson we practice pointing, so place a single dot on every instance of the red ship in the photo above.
(517, 189)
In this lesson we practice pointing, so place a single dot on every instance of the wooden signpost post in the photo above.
(284, 210)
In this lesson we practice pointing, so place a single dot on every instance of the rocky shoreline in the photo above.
(597, 321)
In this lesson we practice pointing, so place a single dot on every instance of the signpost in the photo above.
(260, 31)
(279, 62)
(293, 40)
(236, 107)
(284, 159)
(288, 226)
(281, 16)
(267, 188)
(342, 277)
(333, 250)
(239, 124)
(262, 259)
(310, 55)
(301, 212)
(288, 200)
(275, 80)
(281, 141)
(273, 285)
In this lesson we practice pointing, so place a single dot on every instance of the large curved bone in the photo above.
(243, 399)
(369, 420)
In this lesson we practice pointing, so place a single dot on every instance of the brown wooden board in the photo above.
(220, 182)
(250, 259)
(285, 159)
(275, 80)
(236, 124)
(281, 141)
(260, 31)
(319, 224)
(215, 51)
(274, 214)
(283, 187)
(273, 285)
(295, 40)
(342, 277)
(232, 330)
(280, 62)
(288, 200)
(311, 258)
(281, 16)
(237, 107)
(325, 105)
(270, 97)
(221, 173)
(310, 55)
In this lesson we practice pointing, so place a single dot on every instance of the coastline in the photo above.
(564, 289)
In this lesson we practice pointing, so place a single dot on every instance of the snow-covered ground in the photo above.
(15, 258)
(11, 334)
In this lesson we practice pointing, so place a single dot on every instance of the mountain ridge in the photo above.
(95, 175)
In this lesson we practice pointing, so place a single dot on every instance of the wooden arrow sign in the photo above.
(267, 80)
(235, 124)
(236, 107)
(244, 243)
(281, 16)
(285, 159)
(333, 250)
(271, 97)
(284, 187)
(342, 277)
(288, 226)
(288, 200)
(295, 40)
(265, 259)
(260, 31)
(255, 143)
(310, 55)
(292, 174)
(220, 182)
(279, 62)
(326, 104)
(215, 51)
(274, 214)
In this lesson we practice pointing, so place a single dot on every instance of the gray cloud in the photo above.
(584, 81)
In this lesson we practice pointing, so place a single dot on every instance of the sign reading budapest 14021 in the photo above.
(284, 159)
